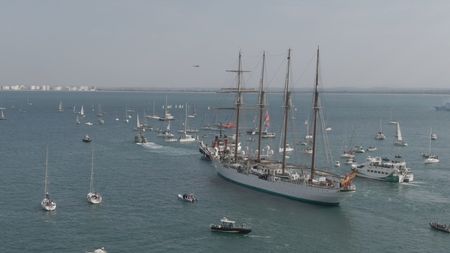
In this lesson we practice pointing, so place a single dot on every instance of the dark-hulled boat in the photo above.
(86, 138)
(440, 227)
(228, 226)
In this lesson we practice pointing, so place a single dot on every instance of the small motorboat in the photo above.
(189, 197)
(440, 227)
(86, 138)
(228, 226)
(337, 164)
(371, 149)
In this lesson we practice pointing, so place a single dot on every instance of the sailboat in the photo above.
(399, 138)
(153, 116)
(82, 112)
(126, 115)
(280, 178)
(2, 115)
(47, 203)
(77, 120)
(99, 111)
(186, 138)
(380, 135)
(193, 114)
(139, 138)
(430, 157)
(167, 114)
(60, 107)
(93, 197)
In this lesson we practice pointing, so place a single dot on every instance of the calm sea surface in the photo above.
(140, 211)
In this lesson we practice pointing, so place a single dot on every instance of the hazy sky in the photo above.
(155, 43)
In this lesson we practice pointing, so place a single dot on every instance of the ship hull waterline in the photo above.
(298, 192)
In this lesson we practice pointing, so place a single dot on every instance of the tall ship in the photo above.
(278, 177)
(384, 169)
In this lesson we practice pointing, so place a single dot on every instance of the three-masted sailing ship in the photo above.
(278, 177)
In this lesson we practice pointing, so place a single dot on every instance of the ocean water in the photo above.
(140, 211)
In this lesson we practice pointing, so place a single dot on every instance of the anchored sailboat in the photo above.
(380, 135)
(430, 157)
(93, 197)
(186, 138)
(47, 203)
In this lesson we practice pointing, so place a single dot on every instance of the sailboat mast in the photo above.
(261, 107)
(185, 119)
(91, 186)
(46, 167)
(316, 112)
(286, 110)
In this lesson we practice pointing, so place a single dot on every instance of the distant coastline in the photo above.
(339, 90)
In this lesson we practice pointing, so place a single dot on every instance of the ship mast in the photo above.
(286, 110)
(261, 107)
(238, 103)
(316, 112)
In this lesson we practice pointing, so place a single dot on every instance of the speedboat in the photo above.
(228, 226)
(440, 227)
(188, 197)
(86, 138)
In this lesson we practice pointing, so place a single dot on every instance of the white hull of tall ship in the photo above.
(298, 191)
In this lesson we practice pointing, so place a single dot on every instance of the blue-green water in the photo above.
(140, 211)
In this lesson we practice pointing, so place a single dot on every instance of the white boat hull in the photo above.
(48, 205)
(94, 198)
(302, 191)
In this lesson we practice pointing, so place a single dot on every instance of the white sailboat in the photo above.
(186, 138)
(430, 157)
(399, 141)
(2, 115)
(380, 135)
(279, 178)
(154, 115)
(47, 203)
(60, 107)
(82, 112)
(93, 197)
(167, 114)
(77, 120)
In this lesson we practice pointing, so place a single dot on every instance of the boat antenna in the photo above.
(316, 111)
(261, 106)
(286, 110)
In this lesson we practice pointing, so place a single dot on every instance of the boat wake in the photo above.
(150, 145)
(168, 150)
(259, 236)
